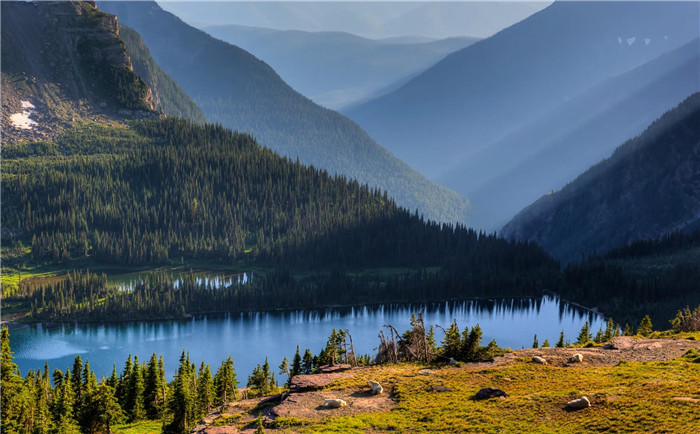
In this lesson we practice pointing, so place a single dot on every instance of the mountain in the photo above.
(546, 154)
(480, 94)
(375, 20)
(335, 69)
(649, 187)
(71, 66)
(239, 91)
(168, 96)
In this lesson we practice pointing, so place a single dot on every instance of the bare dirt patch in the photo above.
(310, 405)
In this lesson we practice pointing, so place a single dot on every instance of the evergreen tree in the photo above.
(645, 327)
(296, 363)
(226, 382)
(472, 344)
(451, 343)
(124, 382)
(284, 369)
(77, 382)
(628, 330)
(102, 409)
(134, 407)
(307, 362)
(181, 401)
(205, 390)
(599, 336)
(609, 330)
(10, 386)
(535, 343)
(545, 344)
(153, 393)
(584, 335)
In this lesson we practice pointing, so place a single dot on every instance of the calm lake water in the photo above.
(249, 338)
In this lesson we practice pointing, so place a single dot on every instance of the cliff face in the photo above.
(64, 61)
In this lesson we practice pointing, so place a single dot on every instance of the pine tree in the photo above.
(307, 362)
(134, 407)
(609, 330)
(10, 385)
(584, 335)
(535, 342)
(153, 394)
(284, 369)
(645, 327)
(181, 401)
(102, 409)
(628, 330)
(124, 381)
(205, 390)
(545, 344)
(451, 343)
(226, 382)
(599, 336)
(296, 363)
(472, 344)
(77, 382)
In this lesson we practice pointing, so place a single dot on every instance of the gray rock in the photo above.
(576, 404)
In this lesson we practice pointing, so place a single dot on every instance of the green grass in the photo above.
(145, 427)
(629, 397)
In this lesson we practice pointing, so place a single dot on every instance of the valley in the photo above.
(193, 241)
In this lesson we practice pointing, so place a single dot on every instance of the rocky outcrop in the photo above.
(67, 59)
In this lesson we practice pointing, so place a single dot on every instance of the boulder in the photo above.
(335, 403)
(576, 358)
(375, 387)
(452, 362)
(490, 392)
(577, 404)
(540, 360)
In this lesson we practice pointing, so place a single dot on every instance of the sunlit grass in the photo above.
(629, 397)
(145, 427)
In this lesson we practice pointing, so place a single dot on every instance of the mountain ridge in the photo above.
(650, 186)
(234, 88)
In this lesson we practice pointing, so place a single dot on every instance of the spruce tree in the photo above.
(205, 390)
(628, 330)
(296, 363)
(584, 335)
(609, 330)
(645, 327)
(545, 344)
(535, 342)
(307, 362)
(153, 385)
(472, 344)
(451, 343)
(226, 382)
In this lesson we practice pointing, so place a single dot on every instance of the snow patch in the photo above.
(21, 120)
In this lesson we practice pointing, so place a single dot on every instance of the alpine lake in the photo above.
(251, 337)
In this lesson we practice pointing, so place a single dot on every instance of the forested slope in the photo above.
(237, 90)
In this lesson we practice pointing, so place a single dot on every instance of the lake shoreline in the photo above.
(187, 317)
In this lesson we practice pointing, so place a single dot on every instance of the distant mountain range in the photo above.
(548, 153)
(649, 187)
(335, 69)
(376, 20)
(481, 94)
(239, 91)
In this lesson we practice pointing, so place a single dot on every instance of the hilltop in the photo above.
(439, 398)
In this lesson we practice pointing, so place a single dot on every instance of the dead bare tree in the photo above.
(350, 355)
